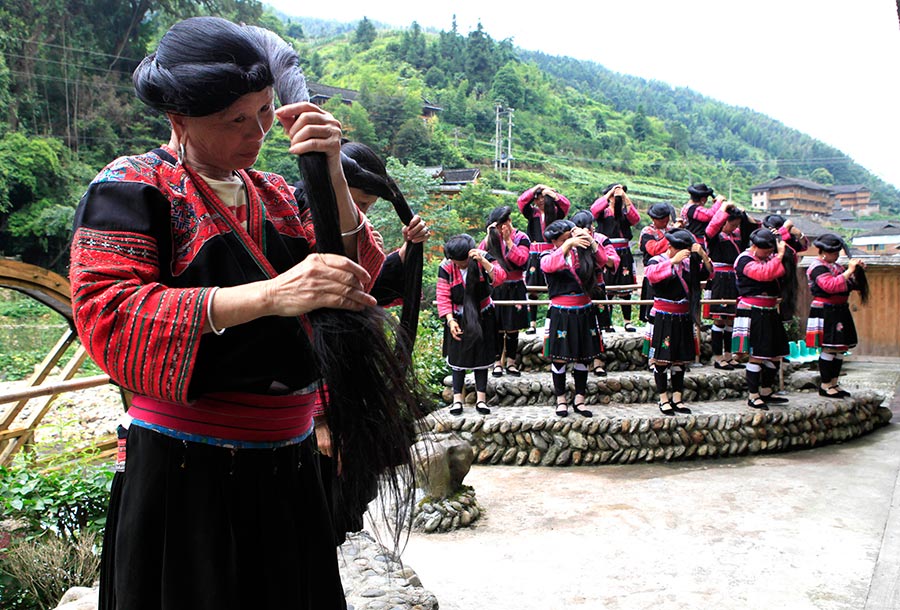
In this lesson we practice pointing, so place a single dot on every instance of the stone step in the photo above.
(622, 433)
(536, 388)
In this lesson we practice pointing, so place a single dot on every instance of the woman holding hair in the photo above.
(725, 240)
(540, 205)
(572, 335)
(616, 216)
(653, 242)
(192, 277)
(695, 215)
(830, 323)
(758, 331)
(466, 277)
(509, 248)
(585, 220)
(671, 342)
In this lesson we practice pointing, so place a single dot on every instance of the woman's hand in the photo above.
(455, 330)
(320, 280)
(311, 129)
(379, 239)
(323, 443)
(680, 256)
(416, 231)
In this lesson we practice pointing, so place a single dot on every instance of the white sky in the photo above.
(828, 68)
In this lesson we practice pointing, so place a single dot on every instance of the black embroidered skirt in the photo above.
(624, 273)
(722, 285)
(831, 326)
(572, 334)
(603, 312)
(759, 332)
(195, 526)
(670, 337)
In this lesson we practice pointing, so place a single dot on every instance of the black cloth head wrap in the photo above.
(557, 228)
(373, 398)
(583, 219)
(773, 221)
(202, 66)
(735, 213)
(763, 238)
(681, 239)
(612, 186)
(659, 211)
(698, 191)
(829, 242)
(457, 247)
(499, 215)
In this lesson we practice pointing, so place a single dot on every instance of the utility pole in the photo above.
(502, 157)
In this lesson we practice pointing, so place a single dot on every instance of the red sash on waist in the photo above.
(671, 306)
(540, 246)
(619, 242)
(237, 416)
(763, 301)
(836, 299)
(515, 276)
(570, 300)
(723, 268)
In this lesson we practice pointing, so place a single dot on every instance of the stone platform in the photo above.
(627, 426)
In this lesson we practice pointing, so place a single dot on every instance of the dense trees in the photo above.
(68, 108)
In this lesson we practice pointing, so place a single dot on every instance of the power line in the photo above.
(38, 60)
(70, 48)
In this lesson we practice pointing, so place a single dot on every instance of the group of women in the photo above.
(232, 305)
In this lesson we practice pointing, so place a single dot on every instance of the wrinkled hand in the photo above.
(505, 231)
(416, 231)
(311, 129)
(320, 280)
(477, 255)
(323, 443)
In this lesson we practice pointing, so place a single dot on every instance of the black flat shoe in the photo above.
(456, 408)
(773, 399)
(836, 394)
(532, 330)
(666, 408)
(629, 328)
(482, 407)
(498, 371)
(757, 403)
(723, 366)
(582, 412)
(678, 406)
(736, 364)
(512, 371)
(599, 371)
(562, 409)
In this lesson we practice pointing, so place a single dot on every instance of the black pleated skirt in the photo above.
(198, 527)
(722, 285)
(670, 338)
(759, 332)
(624, 273)
(534, 276)
(573, 334)
(646, 295)
(603, 312)
(831, 326)
(511, 317)
(468, 354)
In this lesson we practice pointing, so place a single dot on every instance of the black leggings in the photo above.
(459, 379)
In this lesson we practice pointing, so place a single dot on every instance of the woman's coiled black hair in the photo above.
(373, 399)
(366, 171)
(457, 249)
(587, 263)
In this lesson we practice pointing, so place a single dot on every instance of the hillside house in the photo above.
(453, 180)
(884, 241)
(790, 196)
(855, 198)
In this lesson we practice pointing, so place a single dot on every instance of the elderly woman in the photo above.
(191, 279)
(830, 323)
(572, 331)
(759, 271)
(616, 215)
(671, 342)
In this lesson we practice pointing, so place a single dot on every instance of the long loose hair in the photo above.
(457, 249)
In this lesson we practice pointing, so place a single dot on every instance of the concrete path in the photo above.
(813, 529)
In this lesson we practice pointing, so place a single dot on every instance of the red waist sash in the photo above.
(238, 416)
(837, 299)
(723, 268)
(540, 246)
(764, 301)
(570, 300)
(671, 306)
